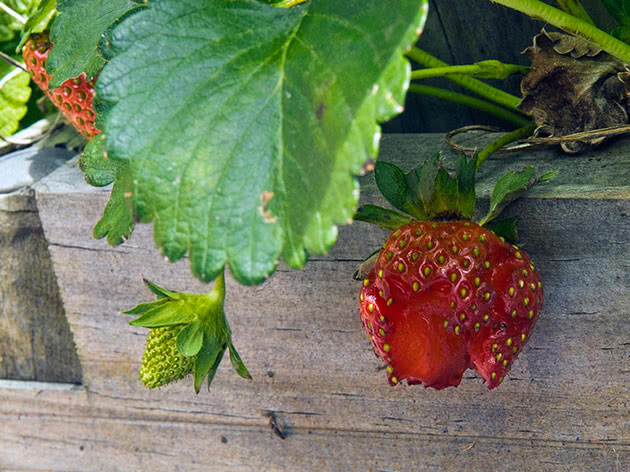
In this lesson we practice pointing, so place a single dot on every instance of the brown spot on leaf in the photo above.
(320, 111)
(265, 198)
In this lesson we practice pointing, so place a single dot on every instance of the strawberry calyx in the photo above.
(189, 334)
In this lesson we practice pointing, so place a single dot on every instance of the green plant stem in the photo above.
(477, 86)
(472, 102)
(12, 13)
(508, 138)
(575, 8)
(472, 69)
(570, 24)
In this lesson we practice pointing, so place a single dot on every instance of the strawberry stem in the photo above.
(510, 137)
(501, 70)
(9, 11)
(13, 62)
(472, 102)
(474, 85)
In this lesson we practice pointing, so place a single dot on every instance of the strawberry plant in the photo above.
(238, 128)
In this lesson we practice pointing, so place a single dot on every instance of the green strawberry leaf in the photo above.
(505, 228)
(99, 170)
(512, 186)
(243, 134)
(116, 223)
(162, 292)
(38, 22)
(190, 339)
(76, 32)
(237, 363)
(168, 314)
(619, 9)
(399, 189)
(14, 95)
(382, 217)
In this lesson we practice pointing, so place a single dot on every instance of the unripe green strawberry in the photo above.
(162, 363)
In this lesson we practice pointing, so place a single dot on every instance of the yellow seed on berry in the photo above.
(530, 314)
(523, 337)
(386, 347)
(390, 301)
(495, 347)
(477, 326)
(462, 317)
(370, 307)
(380, 273)
(493, 375)
(486, 296)
(366, 282)
(486, 264)
(511, 291)
(477, 281)
(416, 286)
(401, 267)
(394, 380)
(427, 271)
(445, 324)
(498, 357)
(508, 343)
(390, 369)
(457, 330)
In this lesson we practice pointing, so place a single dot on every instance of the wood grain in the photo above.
(35, 339)
(564, 407)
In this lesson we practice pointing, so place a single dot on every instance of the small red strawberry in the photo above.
(446, 294)
(73, 98)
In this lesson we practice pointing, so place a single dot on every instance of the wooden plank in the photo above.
(35, 339)
(59, 431)
(301, 339)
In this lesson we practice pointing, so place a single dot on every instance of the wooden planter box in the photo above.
(564, 406)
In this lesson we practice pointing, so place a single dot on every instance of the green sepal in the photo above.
(444, 201)
(206, 360)
(505, 228)
(38, 22)
(237, 363)
(382, 217)
(167, 314)
(116, 224)
(512, 186)
(466, 176)
(162, 292)
(190, 339)
(429, 191)
(392, 183)
(99, 170)
(213, 370)
(144, 307)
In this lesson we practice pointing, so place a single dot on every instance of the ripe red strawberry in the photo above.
(448, 296)
(73, 98)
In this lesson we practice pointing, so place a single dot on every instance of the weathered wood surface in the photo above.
(564, 407)
(35, 339)
(464, 32)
